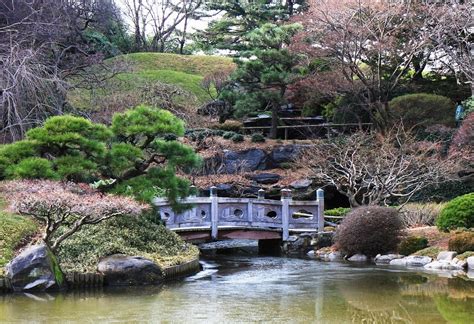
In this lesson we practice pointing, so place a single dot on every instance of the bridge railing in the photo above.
(251, 213)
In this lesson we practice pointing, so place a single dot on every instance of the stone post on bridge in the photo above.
(320, 199)
(214, 212)
(285, 213)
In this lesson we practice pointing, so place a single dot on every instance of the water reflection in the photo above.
(240, 289)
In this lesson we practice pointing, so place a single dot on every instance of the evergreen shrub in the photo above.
(228, 135)
(369, 230)
(237, 138)
(459, 212)
(422, 109)
(412, 244)
(257, 138)
(461, 242)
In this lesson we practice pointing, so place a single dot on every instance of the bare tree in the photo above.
(64, 208)
(453, 34)
(43, 55)
(375, 169)
(371, 44)
(158, 20)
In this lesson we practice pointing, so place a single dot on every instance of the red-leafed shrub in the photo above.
(64, 207)
(369, 230)
(462, 145)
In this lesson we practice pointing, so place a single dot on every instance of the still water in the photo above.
(235, 289)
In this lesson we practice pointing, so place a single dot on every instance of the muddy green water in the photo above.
(258, 289)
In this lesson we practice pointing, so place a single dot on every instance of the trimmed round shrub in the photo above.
(412, 244)
(422, 109)
(32, 168)
(237, 138)
(257, 138)
(228, 135)
(369, 230)
(459, 212)
(461, 242)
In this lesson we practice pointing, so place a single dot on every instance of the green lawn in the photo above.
(13, 230)
(184, 71)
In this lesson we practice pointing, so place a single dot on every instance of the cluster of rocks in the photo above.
(36, 269)
(446, 260)
(253, 159)
(301, 243)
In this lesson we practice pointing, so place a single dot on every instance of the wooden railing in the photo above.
(213, 212)
(327, 126)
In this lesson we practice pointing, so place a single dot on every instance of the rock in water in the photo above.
(417, 261)
(36, 269)
(387, 258)
(123, 270)
(358, 258)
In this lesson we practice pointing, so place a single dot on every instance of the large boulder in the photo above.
(417, 260)
(265, 178)
(301, 184)
(470, 262)
(35, 269)
(248, 160)
(446, 256)
(285, 153)
(123, 270)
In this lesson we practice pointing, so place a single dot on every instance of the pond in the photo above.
(262, 289)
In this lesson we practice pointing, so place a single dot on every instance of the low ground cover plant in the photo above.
(369, 230)
(128, 235)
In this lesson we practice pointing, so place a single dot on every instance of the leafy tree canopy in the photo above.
(135, 155)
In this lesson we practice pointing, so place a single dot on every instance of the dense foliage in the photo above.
(459, 212)
(412, 244)
(141, 141)
(422, 109)
(461, 242)
(127, 235)
(369, 230)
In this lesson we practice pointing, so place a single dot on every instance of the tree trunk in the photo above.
(274, 129)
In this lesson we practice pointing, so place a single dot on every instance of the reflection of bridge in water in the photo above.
(219, 218)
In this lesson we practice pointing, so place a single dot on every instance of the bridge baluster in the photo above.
(320, 199)
(214, 212)
(285, 213)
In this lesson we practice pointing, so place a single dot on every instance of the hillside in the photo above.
(142, 70)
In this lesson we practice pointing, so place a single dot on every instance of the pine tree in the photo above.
(264, 72)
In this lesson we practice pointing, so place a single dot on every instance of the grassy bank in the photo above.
(15, 231)
(124, 90)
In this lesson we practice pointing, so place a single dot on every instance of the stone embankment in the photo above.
(445, 261)
(36, 269)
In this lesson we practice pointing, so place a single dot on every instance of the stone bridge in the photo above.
(220, 218)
